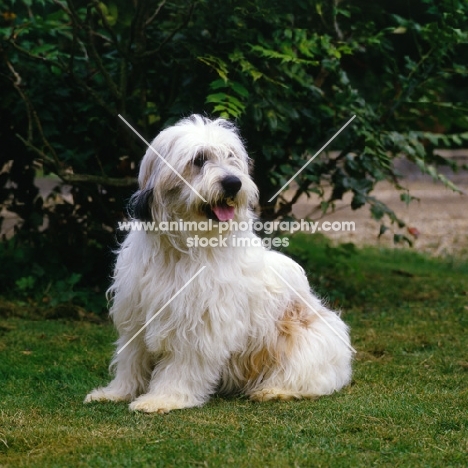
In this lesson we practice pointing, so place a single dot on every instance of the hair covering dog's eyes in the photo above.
(199, 160)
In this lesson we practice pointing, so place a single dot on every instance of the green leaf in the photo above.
(377, 211)
(448, 183)
(217, 97)
(358, 200)
(399, 238)
(239, 89)
(217, 64)
(383, 229)
(218, 84)
(407, 198)
(26, 283)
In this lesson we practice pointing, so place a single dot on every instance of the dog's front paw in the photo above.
(159, 404)
(104, 394)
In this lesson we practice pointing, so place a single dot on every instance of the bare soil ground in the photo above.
(440, 216)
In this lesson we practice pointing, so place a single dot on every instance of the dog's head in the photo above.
(195, 170)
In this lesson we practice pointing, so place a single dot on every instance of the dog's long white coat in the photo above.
(237, 327)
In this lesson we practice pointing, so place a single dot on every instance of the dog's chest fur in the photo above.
(226, 302)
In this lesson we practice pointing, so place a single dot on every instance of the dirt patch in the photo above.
(440, 216)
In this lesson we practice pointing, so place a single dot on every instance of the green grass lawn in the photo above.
(407, 405)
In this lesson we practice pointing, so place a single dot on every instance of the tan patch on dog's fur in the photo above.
(258, 362)
(295, 320)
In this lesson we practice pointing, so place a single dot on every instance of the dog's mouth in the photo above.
(222, 211)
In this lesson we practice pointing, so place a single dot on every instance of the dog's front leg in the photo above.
(181, 380)
(132, 365)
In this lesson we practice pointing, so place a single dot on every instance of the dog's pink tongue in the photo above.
(224, 213)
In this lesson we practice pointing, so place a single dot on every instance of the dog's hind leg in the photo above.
(132, 367)
(311, 356)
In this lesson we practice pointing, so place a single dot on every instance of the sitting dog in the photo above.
(232, 318)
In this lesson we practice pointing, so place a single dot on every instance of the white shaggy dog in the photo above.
(228, 319)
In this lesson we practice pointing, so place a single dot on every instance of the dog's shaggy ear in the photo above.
(140, 205)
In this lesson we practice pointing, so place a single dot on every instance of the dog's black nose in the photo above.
(231, 184)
